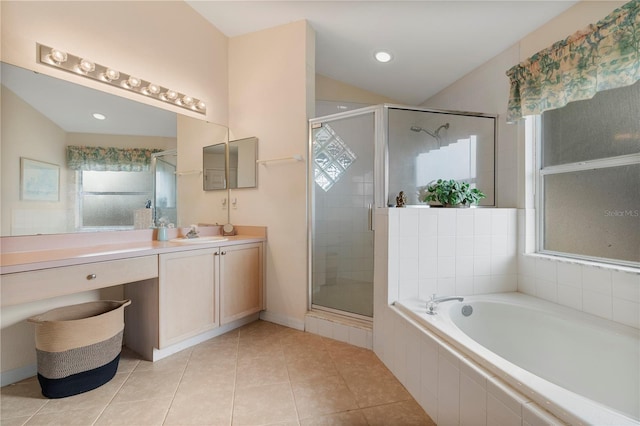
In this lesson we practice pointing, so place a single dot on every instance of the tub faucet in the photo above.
(433, 303)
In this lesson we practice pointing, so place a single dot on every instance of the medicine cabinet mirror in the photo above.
(214, 162)
(243, 154)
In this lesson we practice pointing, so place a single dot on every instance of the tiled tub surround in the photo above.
(452, 388)
(450, 251)
(412, 261)
(583, 369)
(601, 290)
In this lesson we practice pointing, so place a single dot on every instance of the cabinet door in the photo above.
(187, 295)
(241, 274)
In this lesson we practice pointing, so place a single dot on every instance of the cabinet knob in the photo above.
(91, 276)
(223, 253)
(216, 253)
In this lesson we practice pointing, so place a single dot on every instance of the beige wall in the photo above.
(486, 89)
(195, 205)
(166, 42)
(38, 138)
(574, 19)
(270, 80)
(328, 89)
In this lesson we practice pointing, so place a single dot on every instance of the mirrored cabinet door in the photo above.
(214, 167)
(243, 154)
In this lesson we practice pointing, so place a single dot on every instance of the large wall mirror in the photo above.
(89, 152)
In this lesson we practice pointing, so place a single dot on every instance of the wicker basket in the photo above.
(78, 347)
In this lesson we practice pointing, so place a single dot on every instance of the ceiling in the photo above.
(433, 43)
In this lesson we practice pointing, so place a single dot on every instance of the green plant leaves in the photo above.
(452, 192)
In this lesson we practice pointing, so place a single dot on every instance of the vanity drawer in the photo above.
(25, 287)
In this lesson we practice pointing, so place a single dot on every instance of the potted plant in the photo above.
(452, 193)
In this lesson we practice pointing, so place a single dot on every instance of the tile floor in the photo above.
(259, 374)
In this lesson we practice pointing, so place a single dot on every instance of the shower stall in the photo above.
(163, 169)
(360, 160)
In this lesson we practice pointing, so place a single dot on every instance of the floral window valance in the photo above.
(605, 55)
(97, 158)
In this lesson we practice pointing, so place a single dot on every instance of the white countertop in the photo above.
(23, 261)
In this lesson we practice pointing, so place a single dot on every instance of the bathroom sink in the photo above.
(198, 240)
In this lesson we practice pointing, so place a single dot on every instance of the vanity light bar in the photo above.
(82, 66)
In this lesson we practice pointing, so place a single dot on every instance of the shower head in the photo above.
(435, 134)
(444, 126)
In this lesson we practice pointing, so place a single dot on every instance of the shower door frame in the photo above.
(378, 192)
(154, 163)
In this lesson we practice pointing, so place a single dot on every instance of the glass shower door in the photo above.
(165, 187)
(342, 195)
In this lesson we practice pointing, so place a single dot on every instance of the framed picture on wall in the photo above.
(39, 181)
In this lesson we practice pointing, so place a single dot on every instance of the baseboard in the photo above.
(17, 374)
(339, 327)
(282, 320)
(159, 354)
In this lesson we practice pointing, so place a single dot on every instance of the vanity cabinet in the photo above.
(188, 294)
(202, 289)
(241, 291)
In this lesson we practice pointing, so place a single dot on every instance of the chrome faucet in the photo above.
(433, 303)
(193, 232)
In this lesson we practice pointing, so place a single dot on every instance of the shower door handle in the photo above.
(370, 217)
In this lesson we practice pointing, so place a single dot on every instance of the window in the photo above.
(589, 178)
(332, 157)
(108, 199)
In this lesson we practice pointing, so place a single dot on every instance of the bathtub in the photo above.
(581, 368)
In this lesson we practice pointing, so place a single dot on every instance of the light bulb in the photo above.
(111, 74)
(133, 81)
(154, 89)
(383, 56)
(87, 66)
(187, 100)
(201, 105)
(58, 56)
(172, 95)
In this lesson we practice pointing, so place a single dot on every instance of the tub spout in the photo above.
(433, 303)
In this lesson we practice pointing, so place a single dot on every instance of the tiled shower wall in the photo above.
(450, 251)
(343, 245)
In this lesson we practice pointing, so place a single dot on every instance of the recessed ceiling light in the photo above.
(99, 116)
(383, 56)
